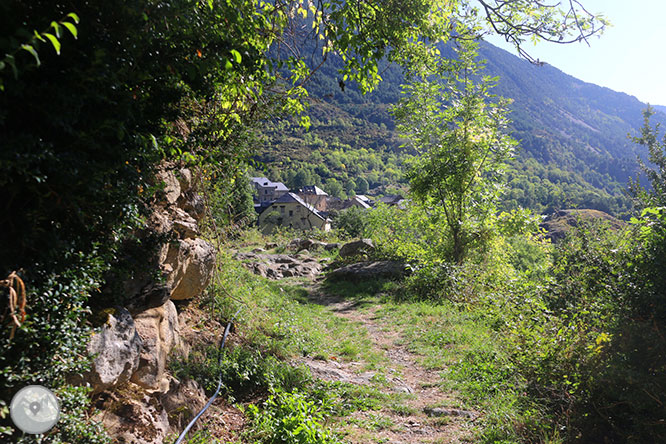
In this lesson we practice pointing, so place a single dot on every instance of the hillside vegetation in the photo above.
(574, 146)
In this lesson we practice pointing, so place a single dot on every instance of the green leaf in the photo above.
(38, 36)
(54, 42)
(56, 28)
(236, 55)
(32, 51)
(72, 29)
(74, 17)
(227, 64)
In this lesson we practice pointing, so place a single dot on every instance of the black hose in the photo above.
(219, 381)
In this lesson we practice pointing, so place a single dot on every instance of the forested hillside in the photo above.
(574, 145)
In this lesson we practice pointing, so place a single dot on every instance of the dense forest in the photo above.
(127, 132)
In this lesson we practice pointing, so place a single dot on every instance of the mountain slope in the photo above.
(574, 145)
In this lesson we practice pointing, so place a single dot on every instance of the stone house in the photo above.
(314, 196)
(268, 191)
(293, 212)
(357, 201)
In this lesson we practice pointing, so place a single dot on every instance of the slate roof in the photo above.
(291, 197)
(264, 182)
(313, 189)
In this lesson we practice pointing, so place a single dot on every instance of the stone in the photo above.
(138, 419)
(182, 402)
(193, 204)
(278, 266)
(440, 411)
(171, 190)
(370, 270)
(356, 248)
(184, 224)
(185, 178)
(116, 349)
(192, 262)
(333, 246)
(159, 332)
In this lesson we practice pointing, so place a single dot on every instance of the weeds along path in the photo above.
(419, 411)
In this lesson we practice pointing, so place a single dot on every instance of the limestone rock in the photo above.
(333, 246)
(440, 411)
(158, 329)
(182, 402)
(190, 264)
(370, 270)
(356, 248)
(171, 190)
(184, 224)
(278, 266)
(116, 348)
(135, 420)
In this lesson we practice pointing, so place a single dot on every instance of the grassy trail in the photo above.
(423, 411)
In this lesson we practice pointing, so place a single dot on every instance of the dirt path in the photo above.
(414, 421)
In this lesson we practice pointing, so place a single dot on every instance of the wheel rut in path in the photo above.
(401, 374)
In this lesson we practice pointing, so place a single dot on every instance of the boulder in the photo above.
(333, 246)
(184, 224)
(138, 419)
(171, 191)
(158, 329)
(370, 270)
(356, 248)
(182, 402)
(305, 244)
(278, 266)
(189, 264)
(116, 349)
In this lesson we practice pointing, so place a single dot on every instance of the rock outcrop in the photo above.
(116, 349)
(370, 270)
(158, 329)
(357, 248)
(278, 266)
(140, 403)
(189, 264)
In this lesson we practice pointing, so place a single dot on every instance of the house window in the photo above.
(282, 209)
(265, 191)
(291, 212)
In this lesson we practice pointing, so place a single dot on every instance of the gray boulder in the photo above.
(116, 349)
(358, 247)
(158, 328)
(370, 270)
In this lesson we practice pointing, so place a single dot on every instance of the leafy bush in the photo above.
(290, 418)
(50, 346)
(353, 222)
(244, 372)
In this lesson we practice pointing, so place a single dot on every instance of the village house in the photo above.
(268, 191)
(359, 201)
(293, 212)
(315, 196)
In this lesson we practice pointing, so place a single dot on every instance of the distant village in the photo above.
(305, 208)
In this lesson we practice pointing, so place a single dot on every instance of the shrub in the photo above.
(290, 418)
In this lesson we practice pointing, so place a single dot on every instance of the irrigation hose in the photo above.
(219, 381)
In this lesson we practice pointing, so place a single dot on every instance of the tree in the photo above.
(649, 138)
(459, 131)
(350, 186)
(361, 185)
(333, 187)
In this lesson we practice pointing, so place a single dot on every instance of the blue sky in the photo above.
(629, 57)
